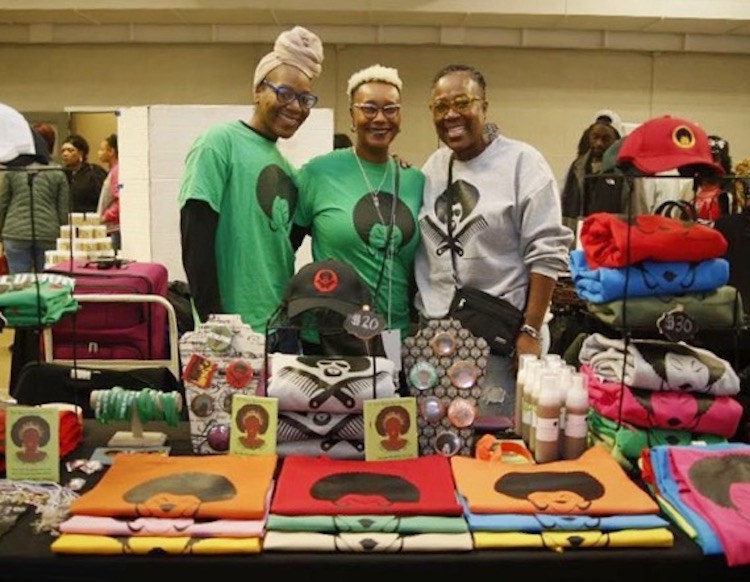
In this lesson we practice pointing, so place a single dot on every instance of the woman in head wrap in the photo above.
(237, 198)
(361, 205)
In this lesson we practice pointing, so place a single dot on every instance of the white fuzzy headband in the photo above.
(377, 73)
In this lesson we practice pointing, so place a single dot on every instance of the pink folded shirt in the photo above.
(700, 413)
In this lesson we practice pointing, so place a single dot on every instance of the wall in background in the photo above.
(545, 97)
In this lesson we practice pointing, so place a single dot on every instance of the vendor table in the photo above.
(25, 555)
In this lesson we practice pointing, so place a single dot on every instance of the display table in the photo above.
(25, 555)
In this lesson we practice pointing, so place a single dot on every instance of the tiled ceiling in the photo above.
(387, 21)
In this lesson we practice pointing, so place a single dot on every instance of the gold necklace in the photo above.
(373, 192)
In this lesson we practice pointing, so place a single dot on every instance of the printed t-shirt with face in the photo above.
(199, 487)
(248, 182)
(335, 200)
(593, 484)
(421, 486)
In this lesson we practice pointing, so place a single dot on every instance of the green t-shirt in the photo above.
(248, 182)
(352, 224)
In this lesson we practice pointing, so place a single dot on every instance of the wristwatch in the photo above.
(532, 331)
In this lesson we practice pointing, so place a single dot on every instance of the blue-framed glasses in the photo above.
(285, 95)
(370, 110)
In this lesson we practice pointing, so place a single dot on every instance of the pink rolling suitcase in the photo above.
(117, 330)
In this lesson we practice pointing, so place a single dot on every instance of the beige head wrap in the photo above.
(299, 48)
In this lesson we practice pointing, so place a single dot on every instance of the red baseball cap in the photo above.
(668, 143)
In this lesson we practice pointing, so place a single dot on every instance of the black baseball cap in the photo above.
(327, 284)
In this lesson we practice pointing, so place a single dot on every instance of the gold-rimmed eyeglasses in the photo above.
(459, 104)
(370, 110)
(285, 95)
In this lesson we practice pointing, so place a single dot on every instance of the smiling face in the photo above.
(272, 118)
(461, 126)
(374, 135)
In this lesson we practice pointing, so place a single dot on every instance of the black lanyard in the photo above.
(389, 235)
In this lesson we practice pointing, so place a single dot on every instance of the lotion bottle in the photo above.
(532, 369)
(576, 425)
(520, 381)
(547, 446)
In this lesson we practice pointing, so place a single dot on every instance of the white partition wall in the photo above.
(153, 143)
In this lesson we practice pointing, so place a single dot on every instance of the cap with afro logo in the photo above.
(327, 284)
(668, 143)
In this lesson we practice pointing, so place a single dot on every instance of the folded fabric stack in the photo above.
(334, 505)
(321, 400)
(28, 299)
(703, 489)
(651, 266)
(175, 505)
(631, 275)
(647, 392)
(588, 502)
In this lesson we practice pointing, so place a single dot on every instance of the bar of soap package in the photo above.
(221, 358)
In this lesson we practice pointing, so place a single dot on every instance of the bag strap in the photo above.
(396, 185)
(449, 220)
(686, 210)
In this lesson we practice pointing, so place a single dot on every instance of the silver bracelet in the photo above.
(532, 331)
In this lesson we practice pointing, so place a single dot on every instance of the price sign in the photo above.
(364, 324)
(677, 325)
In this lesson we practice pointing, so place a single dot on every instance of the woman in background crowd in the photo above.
(109, 199)
(33, 206)
(85, 179)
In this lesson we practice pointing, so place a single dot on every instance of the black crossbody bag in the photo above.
(496, 320)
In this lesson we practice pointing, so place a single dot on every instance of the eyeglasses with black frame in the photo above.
(460, 104)
(370, 110)
(285, 95)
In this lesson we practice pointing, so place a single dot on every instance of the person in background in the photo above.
(49, 133)
(579, 180)
(109, 199)
(341, 141)
(710, 195)
(606, 117)
(33, 206)
(85, 179)
(237, 194)
(361, 205)
(513, 242)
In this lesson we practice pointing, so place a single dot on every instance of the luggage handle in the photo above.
(108, 263)
(173, 363)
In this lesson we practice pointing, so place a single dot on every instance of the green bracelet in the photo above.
(97, 395)
(169, 407)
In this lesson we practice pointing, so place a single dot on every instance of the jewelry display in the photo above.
(445, 365)
(138, 407)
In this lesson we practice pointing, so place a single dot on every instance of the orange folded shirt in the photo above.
(209, 487)
(593, 484)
